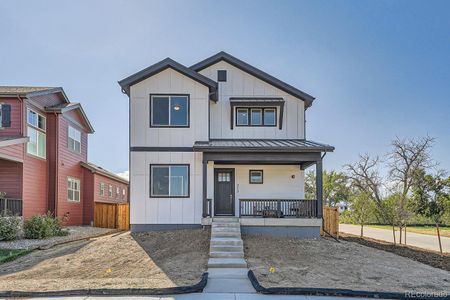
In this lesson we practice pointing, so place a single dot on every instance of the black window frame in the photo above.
(222, 75)
(250, 176)
(170, 95)
(170, 165)
(249, 110)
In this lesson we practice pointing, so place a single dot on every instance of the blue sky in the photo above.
(378, 69)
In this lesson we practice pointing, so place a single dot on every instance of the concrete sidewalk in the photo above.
(424, 241)
(210, 296)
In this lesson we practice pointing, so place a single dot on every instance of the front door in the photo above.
(224, 192)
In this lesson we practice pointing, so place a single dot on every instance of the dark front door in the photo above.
(224, 192)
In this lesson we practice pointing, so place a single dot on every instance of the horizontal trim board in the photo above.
(162, 227)
(161, 149)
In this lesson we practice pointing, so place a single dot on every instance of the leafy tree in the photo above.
(431, 197)
(362, 208)
(335, 187)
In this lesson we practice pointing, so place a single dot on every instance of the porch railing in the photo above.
(11, 206)
(278, 208)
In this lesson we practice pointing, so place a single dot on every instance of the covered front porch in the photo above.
(263, 183)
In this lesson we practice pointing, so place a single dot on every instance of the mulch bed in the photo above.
(428, 257)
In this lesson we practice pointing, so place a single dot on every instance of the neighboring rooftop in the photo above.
(22, 90)
(97, 169)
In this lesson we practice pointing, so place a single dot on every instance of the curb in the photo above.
(332, 292)
(196, 288)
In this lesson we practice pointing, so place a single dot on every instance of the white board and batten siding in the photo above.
(242, 84)
(146, 210)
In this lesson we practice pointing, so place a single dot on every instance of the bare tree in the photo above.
(365, 176)
(407, 157)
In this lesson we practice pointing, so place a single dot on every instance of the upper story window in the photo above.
(169, 110)
(110, 191)
(74, 139)
(256, 116)
(123, 194)
(36, 130)
(117, 192)
(5, 115)
(102, 189)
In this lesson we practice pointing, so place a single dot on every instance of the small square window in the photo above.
(256, 176)
(222, 75)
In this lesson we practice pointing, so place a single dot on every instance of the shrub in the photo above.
(10, 227)
(43, 226)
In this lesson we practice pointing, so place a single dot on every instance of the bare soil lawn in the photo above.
(147, 260)
(326, 263)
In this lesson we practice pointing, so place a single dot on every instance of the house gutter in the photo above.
(56, 164)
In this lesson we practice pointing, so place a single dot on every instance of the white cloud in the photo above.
(125, 174)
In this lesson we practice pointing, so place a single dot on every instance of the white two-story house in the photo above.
(220, 138)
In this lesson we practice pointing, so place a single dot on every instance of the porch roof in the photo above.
(261, 145)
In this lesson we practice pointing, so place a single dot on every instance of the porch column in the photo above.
(319, 187)
(205, 191)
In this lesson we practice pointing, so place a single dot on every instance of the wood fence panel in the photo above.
(112, 215)
(330, 221)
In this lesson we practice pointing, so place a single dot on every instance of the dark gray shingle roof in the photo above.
(22, 90)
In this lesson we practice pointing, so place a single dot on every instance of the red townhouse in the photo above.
(43, 157)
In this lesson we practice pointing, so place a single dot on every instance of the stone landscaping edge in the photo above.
(338, 292)
(196, 288)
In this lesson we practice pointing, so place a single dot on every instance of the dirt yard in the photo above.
(148, 260)
(287, 262)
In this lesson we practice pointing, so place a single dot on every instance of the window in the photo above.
(110, 191)
(73, 189)
(123, 194)
(5, 115)
(36, 132)
(221, 75)
(256, 116)
(256, 176)
(117, 192)
(169, 111)
(242, 117)
(169, 181)
(102, 189)
(74, 140)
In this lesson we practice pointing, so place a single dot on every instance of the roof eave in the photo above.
(103, 173)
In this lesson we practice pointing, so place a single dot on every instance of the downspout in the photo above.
(57, 163)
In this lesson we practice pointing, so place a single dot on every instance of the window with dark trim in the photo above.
(221, 75)
(169, 110)
(5, 115)
(255, 176)
(256, 116)
(169, 181)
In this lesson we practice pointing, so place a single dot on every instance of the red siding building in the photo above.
(43, 155)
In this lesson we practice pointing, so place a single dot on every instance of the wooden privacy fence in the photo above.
(112, 215)
(330, 221)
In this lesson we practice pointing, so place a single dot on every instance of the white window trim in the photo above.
(237, 117)
(170, 111)
(102, 189)
(274, 119)
(36, 127)
(79, 190)
(1, 116)
(110, 191)
(70, 138)
(261, 113)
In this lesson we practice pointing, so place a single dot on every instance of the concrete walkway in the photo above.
(227, 267)
(424, 241)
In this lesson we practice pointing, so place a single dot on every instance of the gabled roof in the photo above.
(31, 91)
(96, 169)
(65, 107)
(255, 72)
(161, 66)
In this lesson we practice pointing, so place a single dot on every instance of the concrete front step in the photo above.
(226, 234)
(226, 225)
(226, 254)
(226, 229)
(225, 219)
(232, 273)
(227, 241)
(229, 285)
(225, 248)
(227, 263)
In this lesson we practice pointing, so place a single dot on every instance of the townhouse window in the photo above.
(256, 116)
(36, 129)
(74, 139)
(110, 191)
(117, 192)
(123, 194)
(169, 181)
(102, 189)
(73, 189)
(5, 115)
(169, 111)
(255, 176)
